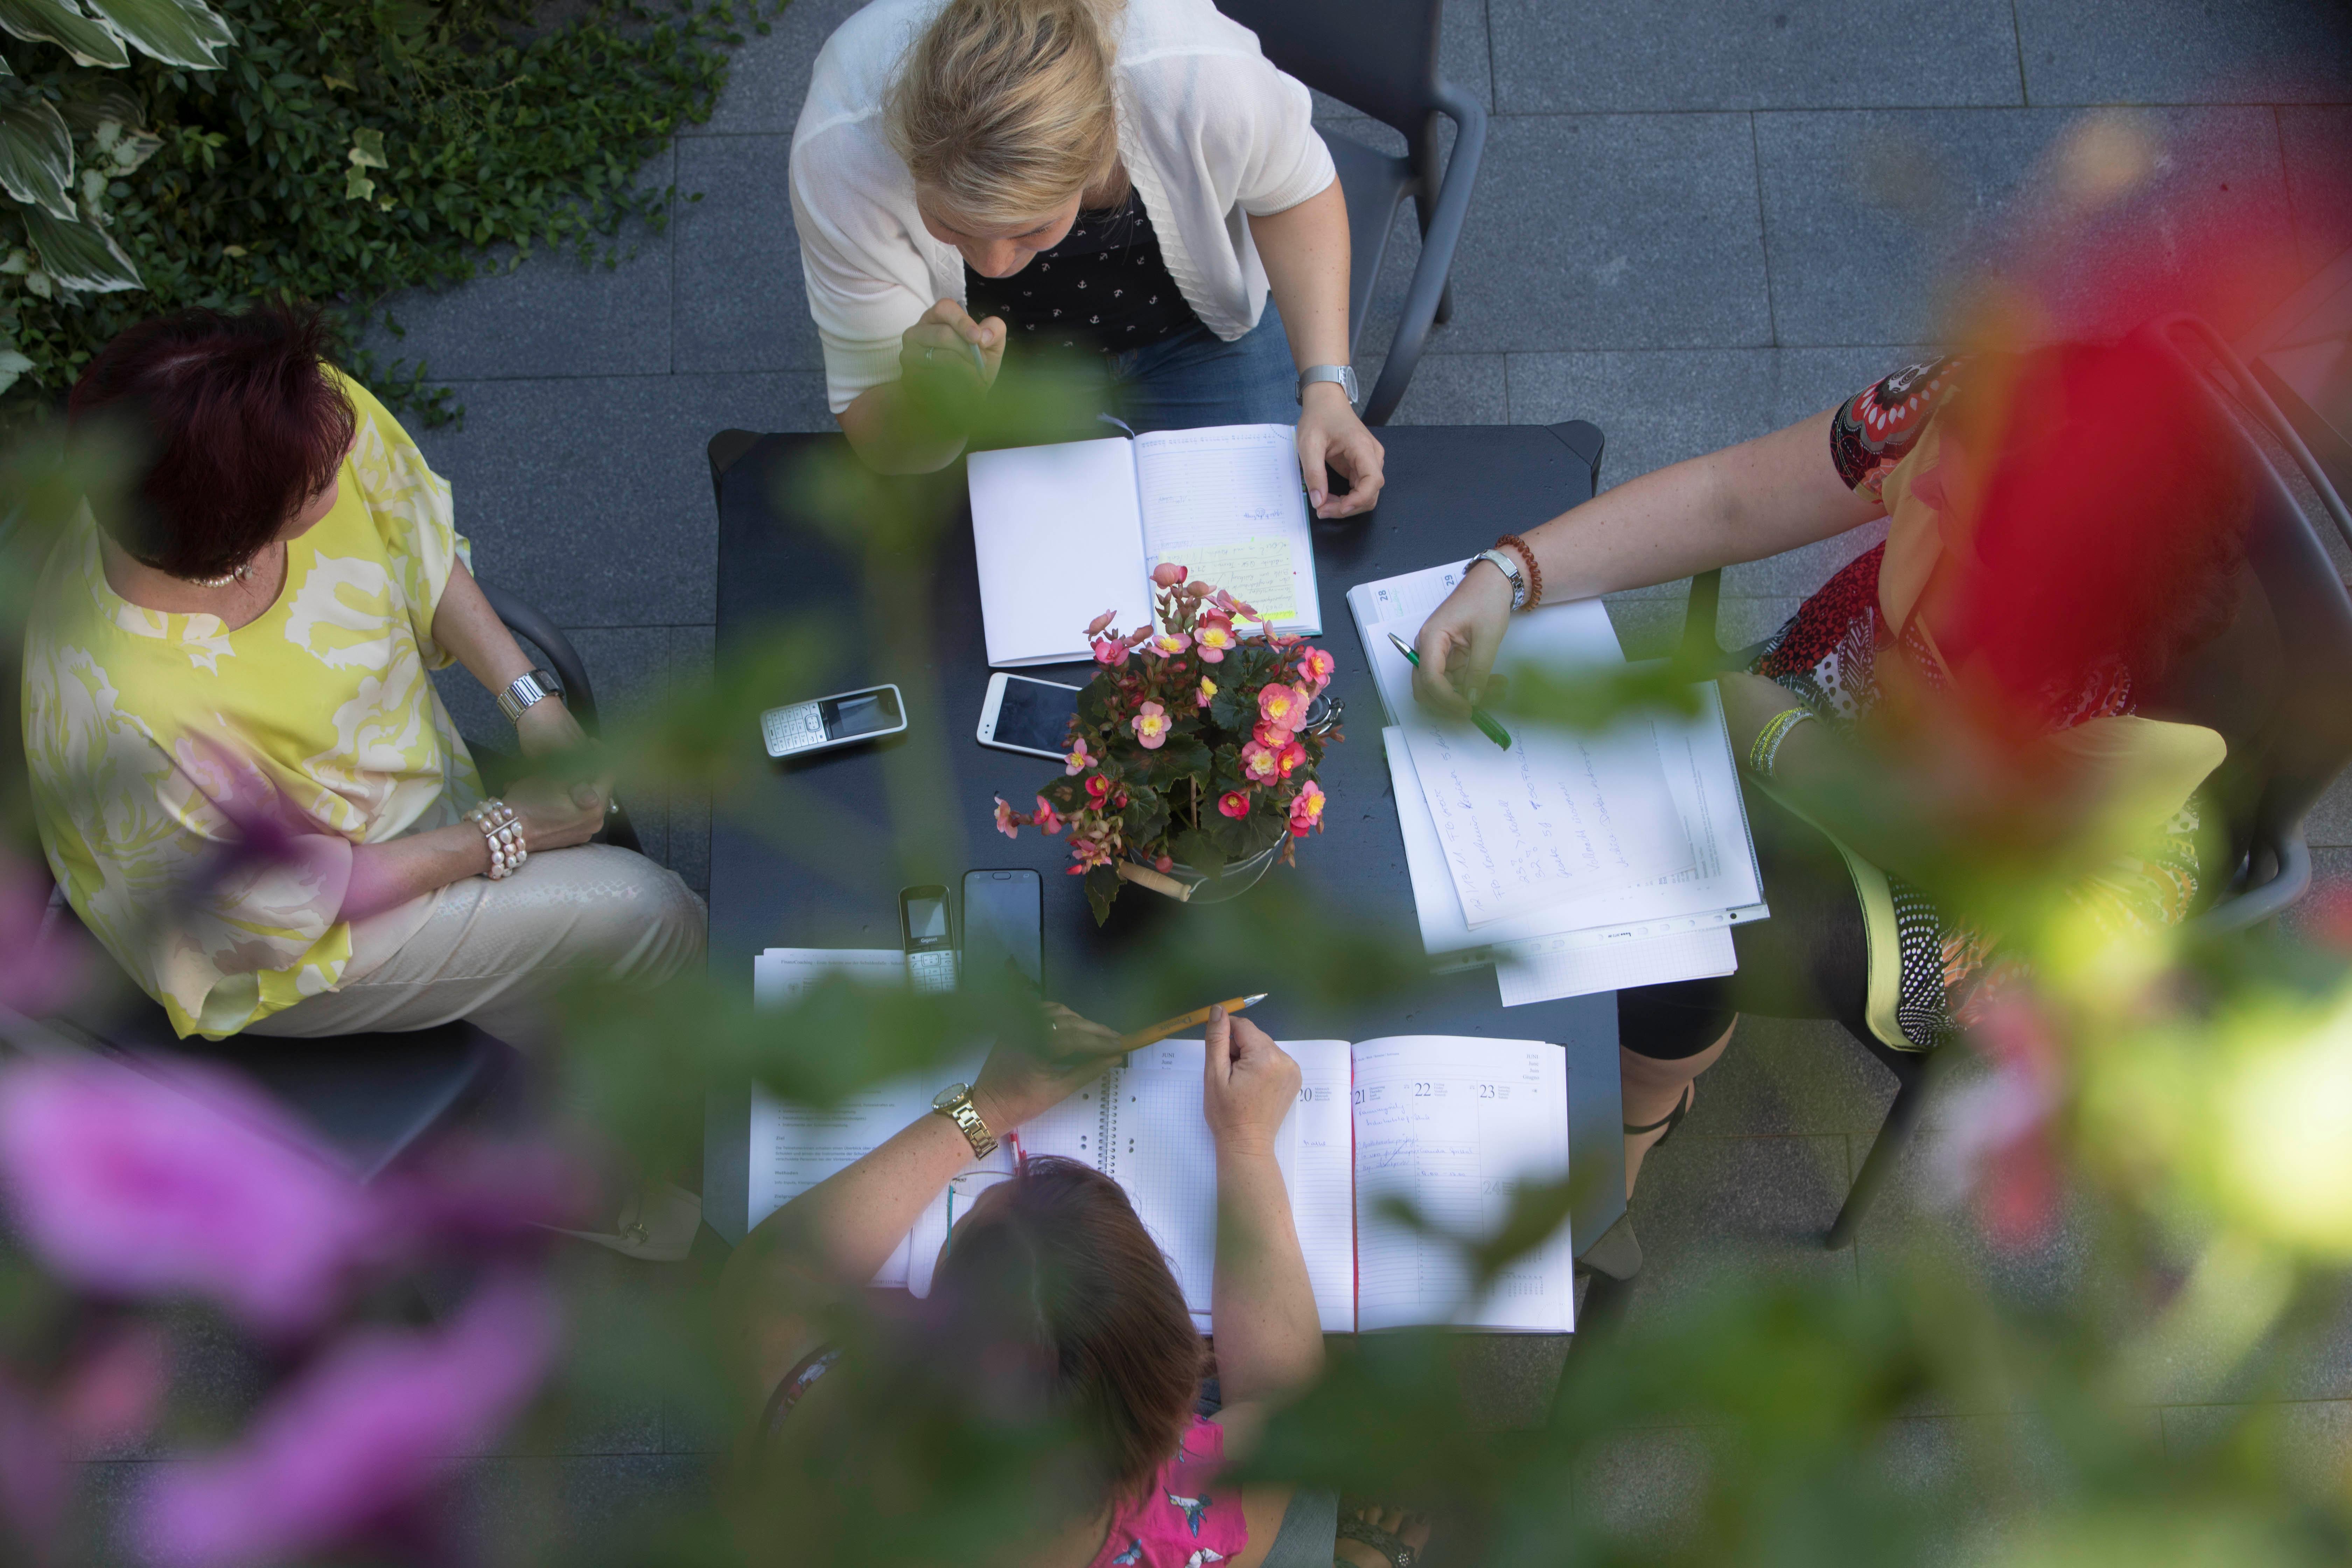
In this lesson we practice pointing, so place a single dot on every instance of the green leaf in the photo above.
(1200, 850)
(367, 149)
(178, 32)
(1102, 889)
(56, 22)
(12, 366)
(78, 255)
(36, 152)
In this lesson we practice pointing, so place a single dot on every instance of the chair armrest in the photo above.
(2257, 397)
(2265, 900)
(1437, 247)
(529, 622)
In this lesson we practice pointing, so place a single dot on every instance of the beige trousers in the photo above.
(499, 953)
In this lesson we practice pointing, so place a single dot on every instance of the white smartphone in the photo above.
(1029, 716)
(841, 720)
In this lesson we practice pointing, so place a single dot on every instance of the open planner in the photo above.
(1659, 863)
(1064, 533)
(1450, 1124)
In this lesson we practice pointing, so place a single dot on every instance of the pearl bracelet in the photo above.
(502, 830)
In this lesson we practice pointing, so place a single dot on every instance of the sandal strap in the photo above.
(1392, 1547)
(1681, 1109)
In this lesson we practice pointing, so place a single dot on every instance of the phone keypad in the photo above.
(793, 729)
(932, 972)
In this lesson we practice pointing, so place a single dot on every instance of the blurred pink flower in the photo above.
(1078, 761)
(1282, 705)
(1214, 637)
(1207, 694)
(35, 976)
(1270, 735)
(1167, 574)
(1316, 665)
(1291, 755)
(1004, 819)
(1263, 764)
(1048, 819)
(1165, 863)
(363, 1434)
(1995, 1143)
(1167, 645)
(486, 1194)
(126, 1185)
(1097, 788)
(1234, 802)
(1111, 651)
(1095, 627)
(1307, 809)
(1150, 726)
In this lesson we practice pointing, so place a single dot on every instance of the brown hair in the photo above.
(1004, 110)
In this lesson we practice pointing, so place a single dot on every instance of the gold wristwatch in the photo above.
(954, 1102)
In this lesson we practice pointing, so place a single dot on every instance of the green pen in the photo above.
(1478, 715)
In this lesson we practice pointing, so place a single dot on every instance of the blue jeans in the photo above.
(1197, 378)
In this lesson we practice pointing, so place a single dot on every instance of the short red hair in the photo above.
(239, 425)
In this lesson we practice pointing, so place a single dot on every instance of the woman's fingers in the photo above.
(1220, 1045)
(1312, 470)
(1359, 454)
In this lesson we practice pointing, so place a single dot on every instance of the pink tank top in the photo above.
(1188, 1520)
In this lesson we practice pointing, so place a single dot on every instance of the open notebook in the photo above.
(1450, 1123)
(1064, 533)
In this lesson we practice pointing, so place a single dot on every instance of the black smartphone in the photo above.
(1004, 922)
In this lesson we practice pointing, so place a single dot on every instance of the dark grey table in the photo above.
(1449, 490)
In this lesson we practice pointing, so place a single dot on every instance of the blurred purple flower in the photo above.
(129, 1186)
(358, 1438)
(35, 976)
(35, 1477)
(480, 1195)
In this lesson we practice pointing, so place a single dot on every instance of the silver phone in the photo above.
(1027, 715)
(842, 720)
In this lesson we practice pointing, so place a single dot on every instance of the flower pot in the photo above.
(1238, 877)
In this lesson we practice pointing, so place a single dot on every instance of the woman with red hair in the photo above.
(244, 779)
(1965, 717)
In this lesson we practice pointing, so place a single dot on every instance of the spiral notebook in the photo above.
(1064, 533)
(1450, 1124)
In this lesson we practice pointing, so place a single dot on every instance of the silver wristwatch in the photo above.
(1345, 374)
(1509, 565)
(526, 690)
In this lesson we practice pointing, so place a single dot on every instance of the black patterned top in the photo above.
(1105, 286)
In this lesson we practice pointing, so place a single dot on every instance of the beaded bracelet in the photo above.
(502, 830)
(1768, 740)
(1534, 573)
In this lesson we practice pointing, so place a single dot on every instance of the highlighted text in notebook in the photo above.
(1256, 570)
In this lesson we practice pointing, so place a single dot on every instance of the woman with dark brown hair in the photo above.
(1040, 1406)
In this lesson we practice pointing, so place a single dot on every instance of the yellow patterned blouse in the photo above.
(165, 750)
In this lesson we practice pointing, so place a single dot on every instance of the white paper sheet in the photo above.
(1452, 1125)
(1546, 975)
(1059, 540)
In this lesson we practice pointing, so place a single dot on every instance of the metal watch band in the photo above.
(526, 690)
(968, 1121)
(1509, 568)
(1345, 374)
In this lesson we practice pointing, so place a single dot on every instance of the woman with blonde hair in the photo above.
(1131, 181)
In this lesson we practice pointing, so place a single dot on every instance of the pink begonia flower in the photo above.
(1164, 864)
(1110, 652)
(1270, 735)
(1048, 819)
(1291, 756)
(1150, 726)
(1234, 802)
(487, 1195)
(1214, 637)
(1307, 809)
(126, 1185)
(1087, 852)
(1006, 823)
(1261, 764)
(1167, 645)
(1167, 574)
(366, 1432)
(1097, 788)
(1096, 626)
(1198, 590)
(1079, 759)
(1282, 705)
(1207, 694)
(35, 976)
(1316, 665)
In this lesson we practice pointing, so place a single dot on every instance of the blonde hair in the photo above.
(1004, 110)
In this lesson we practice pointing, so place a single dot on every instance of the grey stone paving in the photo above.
(1695, 224)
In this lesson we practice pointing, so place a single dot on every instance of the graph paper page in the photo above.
(1451, 1125)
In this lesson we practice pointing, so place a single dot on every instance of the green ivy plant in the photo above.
(332, 151)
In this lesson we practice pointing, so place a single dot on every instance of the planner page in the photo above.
(1059, 540)
(1452, 1124)
(1227, 503)
(1323, 1179)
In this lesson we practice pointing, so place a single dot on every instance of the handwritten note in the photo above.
(1256, 570)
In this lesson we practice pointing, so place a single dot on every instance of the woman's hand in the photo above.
(937, 350)
(1015, 1085)
(556, 815)
(1249, 1084)
(1331, 436)
(1457, 645)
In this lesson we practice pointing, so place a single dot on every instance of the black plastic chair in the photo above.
(1380, 57)
(2298, 739)
(373, 1097)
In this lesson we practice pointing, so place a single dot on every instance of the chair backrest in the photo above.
(2281, 682)
(1378, 56)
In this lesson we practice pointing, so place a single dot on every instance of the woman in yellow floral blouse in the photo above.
(244, 779)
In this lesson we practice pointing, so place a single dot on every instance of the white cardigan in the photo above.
(1209, 131)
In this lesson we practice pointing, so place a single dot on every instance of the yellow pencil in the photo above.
(1199, 1015)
